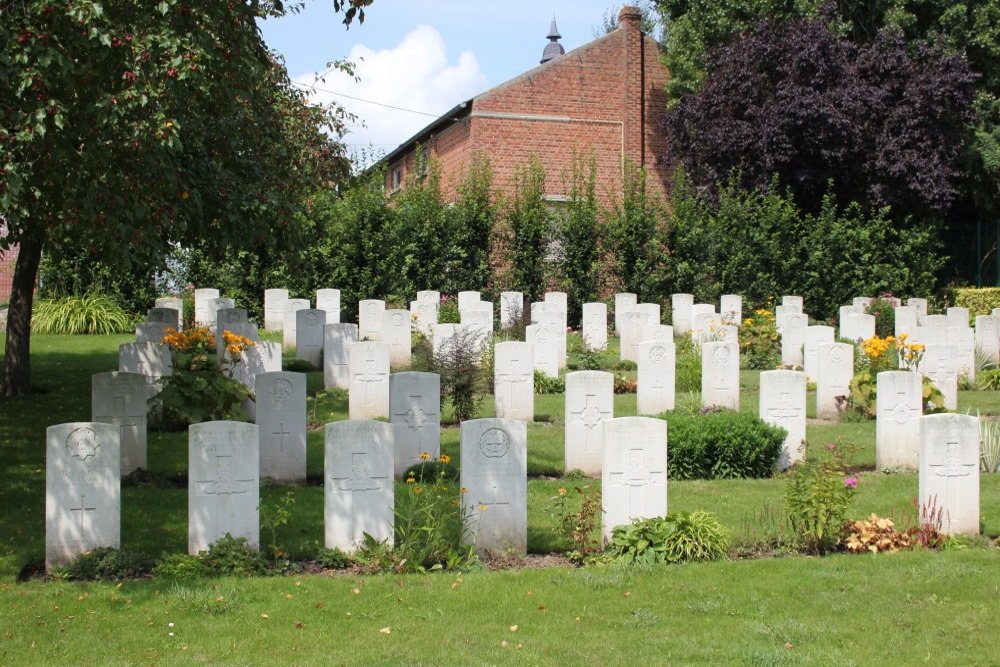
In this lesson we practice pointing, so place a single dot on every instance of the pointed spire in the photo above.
(553, 49)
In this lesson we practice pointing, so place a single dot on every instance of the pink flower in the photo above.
(851, 482)
(831, 446)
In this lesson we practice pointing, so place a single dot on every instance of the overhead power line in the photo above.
(360, 99)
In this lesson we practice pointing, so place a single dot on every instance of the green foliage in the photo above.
(817, 495)
(676, 538)
(579, 238)
(179, 566)
(72, 270)
(760, 347)
(759, 243)
(687, 366)
(883, 308)
(459, 362)
(107, 563)
(88, 314)
(448, 310)
(527, 230)
(580, 519)
(591, 360)
(548, 385)
(636, 235)
(232, 557)
(429, 472)
(722, 445)
(988, 379)
(989, 438)
(334, 559)
(474, 219)
(625, 384)
(430, 525)
(272, 517)
(979, 300)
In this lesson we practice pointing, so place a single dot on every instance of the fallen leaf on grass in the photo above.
(320, 605)
(789, 645)
(264, 616)
(298, 626)
(504, 643)
(513, 628)
(356, 591)
(385, 631)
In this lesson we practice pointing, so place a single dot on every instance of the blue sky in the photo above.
(422, 56)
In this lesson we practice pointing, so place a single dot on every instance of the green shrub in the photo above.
(676, 538)
(88, 314)
(817, 496)
(548, 385)
(231, 556)
(988, 379)
(884, 310)
(334, 559)
(722, 445)
(687, 366)
(107, 563)
(179, 566)
(979, 300)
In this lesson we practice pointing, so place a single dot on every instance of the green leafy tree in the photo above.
(528, 224)
(635, 235)
(579, 238)
(475, 217)
(134, 126)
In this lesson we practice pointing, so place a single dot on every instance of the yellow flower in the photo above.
(482, 507)
(464, 491)
(748, 321)
(454, 502)
(418, 490)
(445, 458)
(562, 492)
(410, 480)
(424, 455)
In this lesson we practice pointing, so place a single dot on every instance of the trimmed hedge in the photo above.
(721, 445)
(979, 300)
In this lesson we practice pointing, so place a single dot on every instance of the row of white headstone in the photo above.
(83, 483)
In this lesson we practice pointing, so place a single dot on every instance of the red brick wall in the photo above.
(605, 98)
(7, 260)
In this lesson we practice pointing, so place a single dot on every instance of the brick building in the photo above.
(603, 97)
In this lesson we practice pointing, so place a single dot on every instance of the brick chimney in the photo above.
(633, 83)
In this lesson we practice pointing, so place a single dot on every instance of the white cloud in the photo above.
(415, 75)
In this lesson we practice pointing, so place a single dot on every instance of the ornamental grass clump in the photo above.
(202, 388)
(88, 314)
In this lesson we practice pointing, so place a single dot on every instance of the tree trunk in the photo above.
(17, 360)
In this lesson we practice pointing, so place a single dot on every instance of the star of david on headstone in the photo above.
(82, 444)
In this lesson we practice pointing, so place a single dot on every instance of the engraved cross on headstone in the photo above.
(491, 504)
(281, 432)
(901, 412)
(953, 466)
(83, 509)
(369, 377)
(119, 413)
(591, 415)
(635, 477)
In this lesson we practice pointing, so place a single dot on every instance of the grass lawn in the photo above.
(903, 608)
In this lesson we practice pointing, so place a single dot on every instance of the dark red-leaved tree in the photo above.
(882, 121)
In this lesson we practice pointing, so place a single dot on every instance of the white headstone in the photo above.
(958, 316)
(429, 295)
(309, 323)
(964, 340)
(835, 370)
(905, 318)
(203, 317)
(934, 329)
(170, 317)
(244, 329)
(511, 309)
(514, 386)
(425, 315)
(595, 326)
(862, 301)
(651, 311)
(337, 339)
(213, 306)
(150, 359)
(940, 364)
(226, 317)
(370, 313)
(176, 303)
(369, 392)
(359, 494)
(415, 413)
(899, 405)
(793, 302)
(150, 332)
(559, 300)
(281, 416)
(815, 336)
(82, 490)
(655, 379)
(495, 476)
(705, 326)
(660, 332)
(793, 338)
(858, 327)
(120, 398)
(467, 298)
(537, 308)
(274, 308)
(779, 315)
(223, 483)
(783, 404)
(920, 305)
(443, 337)
(624, 302)
(720, 375)
(681, 305)
(590, 400)
(544, 349)
(397, 333)
(988, 337)
(731, 309)
(292, 306)
(632, 324)
(949, 472)
(634, 479)
(329, 300)
(555, 320)
(264, 357)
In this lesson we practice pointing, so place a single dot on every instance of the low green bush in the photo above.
(88, 314)
(227, 557)
(979, 300)
(548, 385)
(676, 538)
(721, 445)
(107, 563)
